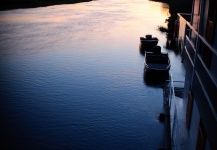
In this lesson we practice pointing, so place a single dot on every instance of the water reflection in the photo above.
(72, 75)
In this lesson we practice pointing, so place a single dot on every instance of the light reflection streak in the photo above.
(63, 23)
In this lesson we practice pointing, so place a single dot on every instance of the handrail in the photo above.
(208, 100)
(172, 86)
(214, 50)
(213, 80)
(187, 14)
(183, 14)
(192, 28)
(202, 38)
(208, 45)
(191, 43)
(192, 63)
(177, 141)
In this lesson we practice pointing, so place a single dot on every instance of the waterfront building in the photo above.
(197, 41)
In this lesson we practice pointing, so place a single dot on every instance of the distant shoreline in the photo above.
(13, 4)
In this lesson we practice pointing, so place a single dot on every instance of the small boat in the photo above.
(148, 42)
(157, 61)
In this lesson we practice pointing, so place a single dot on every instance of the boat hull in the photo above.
(157, 62)
(147, 43)
(153, 77)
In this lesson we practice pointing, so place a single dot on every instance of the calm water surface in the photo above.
(72, 77)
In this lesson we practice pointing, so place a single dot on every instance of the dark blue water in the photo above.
(71, 77)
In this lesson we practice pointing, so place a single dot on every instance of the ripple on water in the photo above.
(72, 76)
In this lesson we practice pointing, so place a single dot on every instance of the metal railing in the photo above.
(182, 30)
(185, 31)
(171, 102)
(195, 47)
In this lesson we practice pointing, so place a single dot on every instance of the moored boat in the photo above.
(156, 60)
(148, 42)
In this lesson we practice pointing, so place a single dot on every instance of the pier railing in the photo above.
(199, 58)
(183, 30)
(170, 102)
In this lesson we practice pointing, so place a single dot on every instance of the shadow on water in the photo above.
(179, 6)
(171, 44)
(155, 78)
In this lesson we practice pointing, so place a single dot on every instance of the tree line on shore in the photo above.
(175, 6)
(13, 4)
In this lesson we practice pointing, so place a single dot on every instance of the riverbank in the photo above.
(175, 6)
(14, 4)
